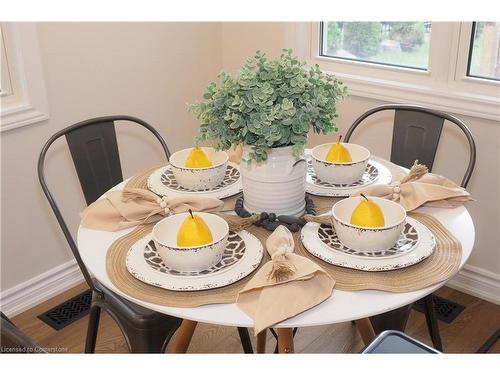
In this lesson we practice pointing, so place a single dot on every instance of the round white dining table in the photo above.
(341, 306)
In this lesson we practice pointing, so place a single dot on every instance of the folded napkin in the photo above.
(131, 207)
(285, 286)
(418, 188)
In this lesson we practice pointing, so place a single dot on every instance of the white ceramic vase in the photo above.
(277, 185)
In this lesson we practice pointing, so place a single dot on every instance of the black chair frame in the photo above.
(148, 331)
(416, 124)
(143, 329)
(429, 122)
(14, 341)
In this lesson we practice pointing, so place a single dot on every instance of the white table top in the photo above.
(342, 306)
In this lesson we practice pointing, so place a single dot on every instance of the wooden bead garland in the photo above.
(271, 221)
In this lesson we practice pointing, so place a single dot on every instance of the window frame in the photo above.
(6, 88)
(442, 86)
(461, 79)
(26, 103)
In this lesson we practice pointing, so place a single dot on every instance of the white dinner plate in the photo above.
(239, 261)
(420, 250)
(162, 182)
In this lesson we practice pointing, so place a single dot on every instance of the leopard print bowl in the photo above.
(199, 178)
(368, 238)
(340, 173)
(190, 258)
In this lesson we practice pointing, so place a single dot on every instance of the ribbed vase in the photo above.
(277, 185)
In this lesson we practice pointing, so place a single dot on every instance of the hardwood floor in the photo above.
(466, 334)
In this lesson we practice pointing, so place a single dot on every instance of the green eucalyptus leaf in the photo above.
(270, 103)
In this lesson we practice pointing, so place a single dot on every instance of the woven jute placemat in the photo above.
(440, 266)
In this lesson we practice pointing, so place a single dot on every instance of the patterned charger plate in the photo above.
(369, 176)
(406, 242)
(419, 251)
(162, 182)
(375, 173)
(235, 250)
(242, 256)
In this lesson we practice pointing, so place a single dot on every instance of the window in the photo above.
(22, 90)
(5, 83)
(450, 66)
(392, 43)
(484, 51)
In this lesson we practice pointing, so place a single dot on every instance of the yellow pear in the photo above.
(367, 214)
(197, 158)
(338, 153)
(194, 232)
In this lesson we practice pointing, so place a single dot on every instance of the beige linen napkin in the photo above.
(420, 188)
(285, 286)
(132, 206)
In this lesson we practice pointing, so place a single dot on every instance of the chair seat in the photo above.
(140, 317)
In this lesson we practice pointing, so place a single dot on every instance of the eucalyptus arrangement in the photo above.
(271, 104)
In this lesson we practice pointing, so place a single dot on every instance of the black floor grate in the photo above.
(446, 310)
(68, 311)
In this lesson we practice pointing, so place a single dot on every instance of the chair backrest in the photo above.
(94, 150)
(13, 340)
(416, 135)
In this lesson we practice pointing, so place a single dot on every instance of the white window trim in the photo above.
(458, 74)
(442, 86)
(6, 81)
(27, 104)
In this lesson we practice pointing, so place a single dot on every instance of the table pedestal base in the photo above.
(365, 330)
(285, 340)
(184, 336)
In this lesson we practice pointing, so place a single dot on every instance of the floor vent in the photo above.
(446, 310)
(68, 311)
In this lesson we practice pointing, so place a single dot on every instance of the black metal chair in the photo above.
(416, 135)
(94, 150)
(14, 341)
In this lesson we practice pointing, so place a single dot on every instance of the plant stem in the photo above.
(364, 196)
(340, 137)
(191, 213)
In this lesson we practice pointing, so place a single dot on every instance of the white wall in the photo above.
(90, 69)
(152, 71)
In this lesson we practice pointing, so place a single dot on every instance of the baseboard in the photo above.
(477, 282)
(32, 292)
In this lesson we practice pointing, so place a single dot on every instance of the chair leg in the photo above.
(94, 315)
(184, 336)
(432, 323)
(245, 340)
(153, 339)
(395, 319)
(492, 340)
